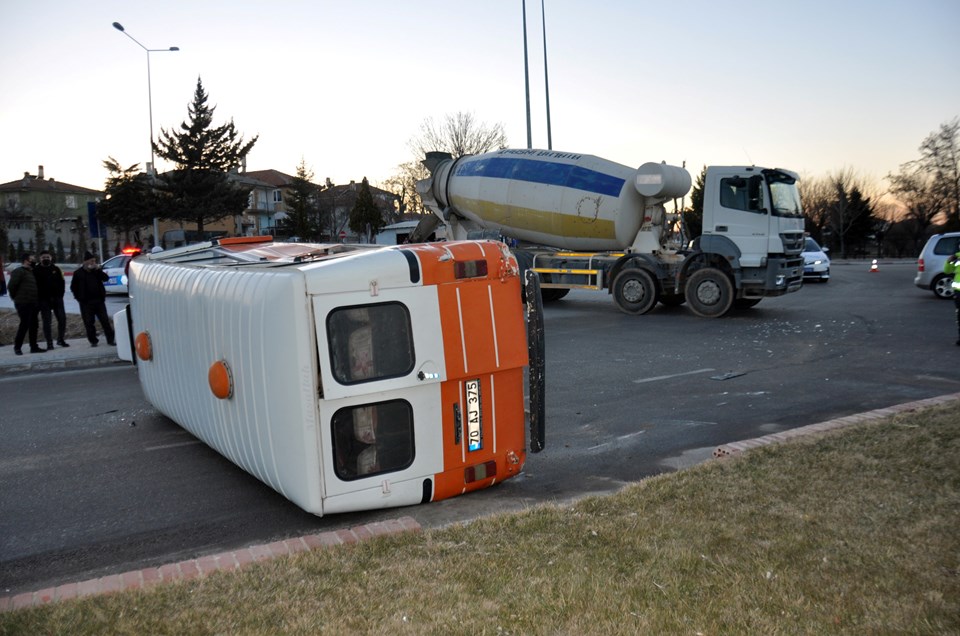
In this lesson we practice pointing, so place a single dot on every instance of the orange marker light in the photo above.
(143, 346)
(220, 379)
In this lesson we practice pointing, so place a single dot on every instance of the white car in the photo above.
(816, 263)
(116, 269)
(930, 264)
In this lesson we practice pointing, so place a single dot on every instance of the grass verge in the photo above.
(850, 532)
(9, 321)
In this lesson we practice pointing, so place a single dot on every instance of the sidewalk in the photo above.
(79, 355)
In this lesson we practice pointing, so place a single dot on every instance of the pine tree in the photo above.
(130, 201)
(199, 190)
(365, 215)
(302, 206)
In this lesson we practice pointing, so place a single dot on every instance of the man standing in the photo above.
(50, 285)
(87, 288)
(23, 291)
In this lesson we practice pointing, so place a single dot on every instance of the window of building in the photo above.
(71, 202)
(372, 439)
(370, 342)
(277, 196)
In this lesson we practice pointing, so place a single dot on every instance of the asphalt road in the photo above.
(94, 481)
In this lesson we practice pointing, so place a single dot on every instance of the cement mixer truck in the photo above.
(583, 222)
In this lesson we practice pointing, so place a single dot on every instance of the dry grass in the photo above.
(854, 532)
(9, 322)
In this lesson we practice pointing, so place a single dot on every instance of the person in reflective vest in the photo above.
(952, 266)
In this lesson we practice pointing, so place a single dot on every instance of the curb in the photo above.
(25, 368)
(205, 565)
(736, 448)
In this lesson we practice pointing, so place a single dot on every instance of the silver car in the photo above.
(930, 264)
(816, 263)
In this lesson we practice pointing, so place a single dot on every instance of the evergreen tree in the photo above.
(693, 215)
(130, 201)
(58, 250)
(199, 188)
(365, 215)
(39, 238)
(302, 206)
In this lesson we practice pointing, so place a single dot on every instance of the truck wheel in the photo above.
(634, 291)
(746, 303)
(709, 292)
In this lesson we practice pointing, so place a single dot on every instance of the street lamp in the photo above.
(150, 167)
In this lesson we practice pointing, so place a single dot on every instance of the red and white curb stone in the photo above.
(202, 566)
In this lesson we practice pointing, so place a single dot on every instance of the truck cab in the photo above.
(752, 230)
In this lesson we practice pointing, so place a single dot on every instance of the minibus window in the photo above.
(371, 439)
(370, 342)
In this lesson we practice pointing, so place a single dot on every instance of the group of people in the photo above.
(37, 291)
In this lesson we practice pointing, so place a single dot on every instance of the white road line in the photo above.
(166, 446)
(675, 375)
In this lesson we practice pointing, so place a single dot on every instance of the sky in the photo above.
(816, 86)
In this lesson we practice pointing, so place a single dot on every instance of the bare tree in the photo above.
(929, 187)
(459, 134)
(816, 194)
(404, 185)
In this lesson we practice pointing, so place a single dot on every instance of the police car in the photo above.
(116, 269)
(816, 263)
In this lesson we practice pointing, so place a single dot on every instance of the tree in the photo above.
(199, 187)
(850, 214)
(365, 217)
(403, 184)
(929, 187)
(693, 214)
(816, 194)
(459, 134)
(302, 218)
(129, 199)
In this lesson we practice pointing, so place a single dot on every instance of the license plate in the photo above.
(474, 416)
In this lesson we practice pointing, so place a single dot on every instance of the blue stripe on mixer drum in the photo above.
(560, 174)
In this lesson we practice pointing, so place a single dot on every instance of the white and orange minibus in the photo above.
(344, 377)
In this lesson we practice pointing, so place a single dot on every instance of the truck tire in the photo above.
(634, 291)
(709, 292)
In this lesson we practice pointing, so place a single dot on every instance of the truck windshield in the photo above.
(784, 194)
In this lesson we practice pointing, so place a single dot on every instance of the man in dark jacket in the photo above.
(50, 286)
(87, 288)
(23, 291)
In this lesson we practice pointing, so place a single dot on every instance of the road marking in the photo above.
(675, 375)
(166, 446)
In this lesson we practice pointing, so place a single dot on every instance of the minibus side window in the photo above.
(370, 342)
(372, 439)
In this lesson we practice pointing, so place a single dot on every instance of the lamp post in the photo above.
(151, 167)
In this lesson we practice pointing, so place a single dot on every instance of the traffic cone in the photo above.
(874, 268)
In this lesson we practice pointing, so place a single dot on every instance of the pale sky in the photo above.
(814, 86)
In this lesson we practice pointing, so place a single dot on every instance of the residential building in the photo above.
(35, 205)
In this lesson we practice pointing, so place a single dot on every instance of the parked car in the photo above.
(816, 263)
(116, 269)
(930, 264)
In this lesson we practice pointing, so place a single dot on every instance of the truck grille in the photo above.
(792, 242)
